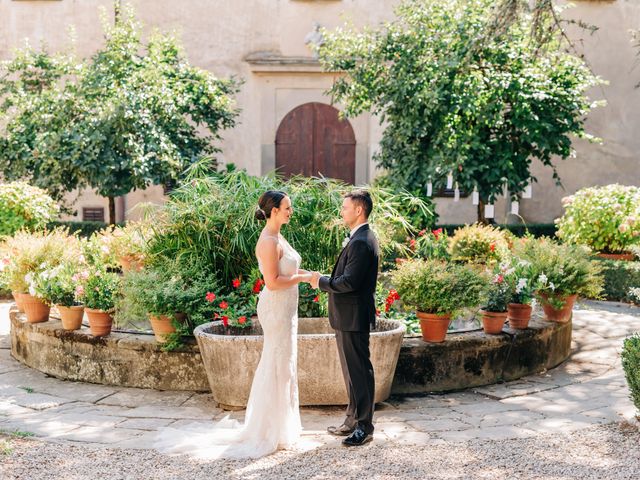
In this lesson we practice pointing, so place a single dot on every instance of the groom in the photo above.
(352, 312)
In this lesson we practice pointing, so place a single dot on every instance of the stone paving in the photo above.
(586, 390)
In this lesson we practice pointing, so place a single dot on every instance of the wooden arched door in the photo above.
(312, 140)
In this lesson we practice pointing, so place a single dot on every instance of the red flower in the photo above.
(317, 299)
(210, 297)
(499, 279)
(216, 316)
(236, 282)
(412, 243)
(258, 285)
(492, 247)
(242, 320)
(421, 233)
(225, 321)
(437, 233)
(377, 311)
(224, 305)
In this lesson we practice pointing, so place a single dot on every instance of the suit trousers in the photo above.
(353, 348)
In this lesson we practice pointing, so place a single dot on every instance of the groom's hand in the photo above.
(315, 279)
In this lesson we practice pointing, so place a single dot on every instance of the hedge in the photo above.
(619, 277)
(631, 364)
(535, 229)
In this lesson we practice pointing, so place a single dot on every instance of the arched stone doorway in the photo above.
(311, 140)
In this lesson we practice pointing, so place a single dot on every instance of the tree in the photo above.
(131, 116)
(464, 87)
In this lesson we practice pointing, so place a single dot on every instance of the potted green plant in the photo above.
(437, 290)
(520, 277)
(479, 243)
(100, 290)
(129, 245)
(563, 272)
(494, 313)
(606, 219)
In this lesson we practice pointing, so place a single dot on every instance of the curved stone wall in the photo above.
(464, 360)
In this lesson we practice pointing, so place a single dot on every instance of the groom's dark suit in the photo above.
(352, 312)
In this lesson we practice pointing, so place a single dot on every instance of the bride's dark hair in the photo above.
(268, 201)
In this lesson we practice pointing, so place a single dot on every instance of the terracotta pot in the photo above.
(627, 257)
(561, 315)
(162, 326)
(99, 322)
(18, 300)
(36, 310)
(71, 316)
(519, 315)
(492, 322)
(434, 327)
(130, 262)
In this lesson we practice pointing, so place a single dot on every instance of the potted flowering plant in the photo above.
(236, 308)
(437, 290)
(100, 290)
(128, 245)
(563, 273)
(520, 277)
(60, 286)
(494, 313)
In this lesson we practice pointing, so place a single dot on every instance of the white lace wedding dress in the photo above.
(272, 418)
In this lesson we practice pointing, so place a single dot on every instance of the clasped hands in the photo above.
(315, 279)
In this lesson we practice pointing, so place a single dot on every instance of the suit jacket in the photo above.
(352, 285)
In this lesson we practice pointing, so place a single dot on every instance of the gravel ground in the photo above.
(600, 452)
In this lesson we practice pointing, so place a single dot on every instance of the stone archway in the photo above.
(312, 140)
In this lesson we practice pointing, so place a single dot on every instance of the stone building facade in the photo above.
(287, 116)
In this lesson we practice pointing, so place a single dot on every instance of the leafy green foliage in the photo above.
(631, 364)
(619, 278)
(133, 115)
(498, 294)
(607, 219)
(209, 221)
(479, 243)
(101, 290)
(24, 207)
(433, 286)
(463, 86)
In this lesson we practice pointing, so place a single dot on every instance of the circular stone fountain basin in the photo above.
(230, 361)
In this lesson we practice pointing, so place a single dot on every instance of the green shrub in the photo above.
(619, 278)
(561, 270)
(83, 229)
(210, 222)
(518, 230)
(24, 207)
(478, 243)
(607, 219)
(631, 364)
(433, 286)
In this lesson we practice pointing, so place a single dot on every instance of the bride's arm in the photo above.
(267, 250)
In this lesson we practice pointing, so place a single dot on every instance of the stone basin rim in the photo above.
(201, 331)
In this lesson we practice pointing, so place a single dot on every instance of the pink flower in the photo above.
(437, 233)
(79, 290)
(210, 297)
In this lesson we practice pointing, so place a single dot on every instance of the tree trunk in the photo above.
(481, 217)
(112, 210)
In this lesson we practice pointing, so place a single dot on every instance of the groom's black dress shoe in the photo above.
(357, 438)
(341, 431)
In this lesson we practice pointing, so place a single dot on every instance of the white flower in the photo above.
(32, 290)
(552, 286)
(542, 279)
(524, 263)
(522, 283)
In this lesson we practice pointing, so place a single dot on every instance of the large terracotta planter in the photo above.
(161, 326)
(519, 315)
(560, 315)
(230, 361)
(100, 322)
(434, 327)
(34, 308)
(71, 317)
(18, 299)
(492, 322)
(627, 257)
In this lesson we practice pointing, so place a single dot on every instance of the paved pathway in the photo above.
(588, 389)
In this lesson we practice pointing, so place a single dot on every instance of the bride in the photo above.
(272, 418)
